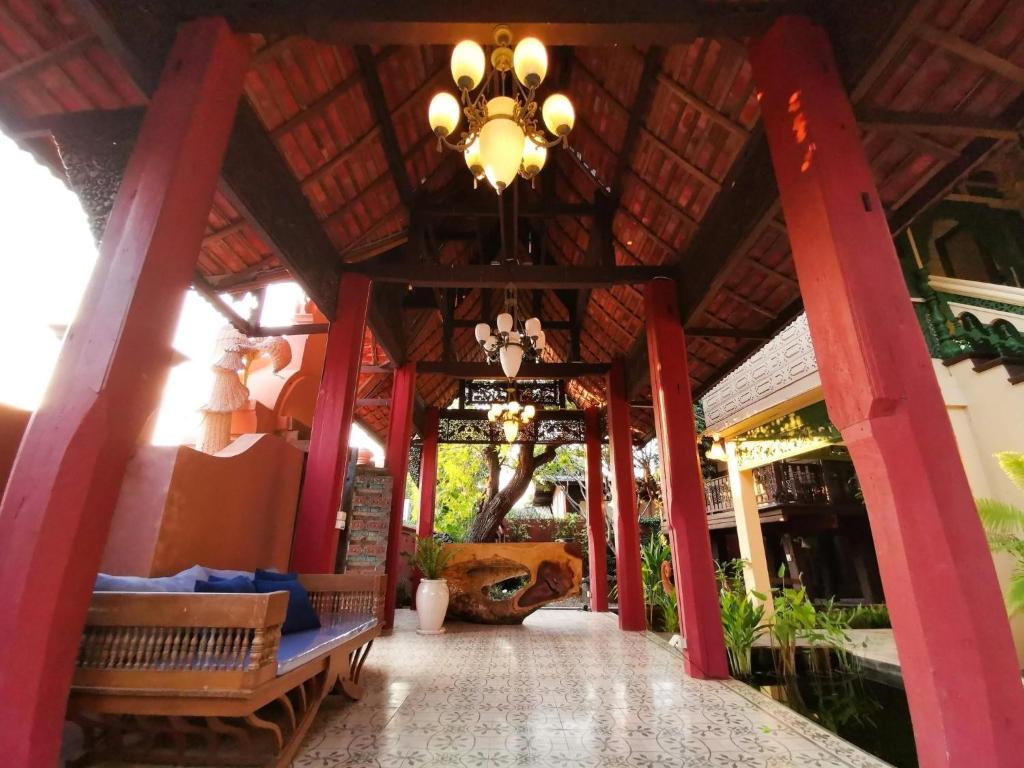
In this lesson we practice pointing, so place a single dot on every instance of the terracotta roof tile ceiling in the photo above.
(662, 133)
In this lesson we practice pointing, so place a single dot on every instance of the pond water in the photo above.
(864, 711)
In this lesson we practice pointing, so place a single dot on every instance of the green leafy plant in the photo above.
(652, 554)
(430, 558)
(862, 616)
(742, 618)
(1004, 525)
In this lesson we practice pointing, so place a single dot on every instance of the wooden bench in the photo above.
(208, 679)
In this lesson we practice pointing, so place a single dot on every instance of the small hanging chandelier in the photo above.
(511, 415)
(511, 343)
(502, 138)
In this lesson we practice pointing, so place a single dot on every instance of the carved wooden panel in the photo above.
(787, 358)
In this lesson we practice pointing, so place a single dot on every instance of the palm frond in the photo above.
(1012, 463)
(1015, 593)
(998, 517)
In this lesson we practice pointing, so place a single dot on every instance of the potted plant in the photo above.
(430, 559)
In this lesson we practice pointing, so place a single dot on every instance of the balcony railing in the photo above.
(789, 483)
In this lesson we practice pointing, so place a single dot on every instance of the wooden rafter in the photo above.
(379, 109)
(970, 126)
(975, 54)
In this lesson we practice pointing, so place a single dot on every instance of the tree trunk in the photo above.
(499, 501)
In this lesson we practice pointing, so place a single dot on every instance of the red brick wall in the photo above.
(368, 520)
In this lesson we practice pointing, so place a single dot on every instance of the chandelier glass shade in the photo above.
(512, 416)
(501, 138)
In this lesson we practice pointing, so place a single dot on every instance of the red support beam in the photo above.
(396, 459)
(627, 526)
(315, 545)
(60, 498)
(957, 655)
(682, 484)
(595, 514)
(428, 473)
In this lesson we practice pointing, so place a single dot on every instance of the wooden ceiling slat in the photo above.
(975, 54)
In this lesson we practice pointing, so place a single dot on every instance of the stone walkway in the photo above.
(565, 690)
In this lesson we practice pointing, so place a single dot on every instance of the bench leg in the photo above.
(348, 682)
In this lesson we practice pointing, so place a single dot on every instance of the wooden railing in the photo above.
(718, 495)
(786, 483)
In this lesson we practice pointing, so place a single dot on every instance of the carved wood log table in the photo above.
(553, 570)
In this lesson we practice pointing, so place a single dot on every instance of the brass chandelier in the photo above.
(511, 415)
(502, 138)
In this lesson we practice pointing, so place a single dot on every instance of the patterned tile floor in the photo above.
(565, 690)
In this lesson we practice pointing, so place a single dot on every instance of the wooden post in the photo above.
(756, 577)
(595, 514)
(957, 655)
(428, 484)
(428, 473)
(627, 526)
(683, 484)
(315, 545)
(396, 459)
(65, 482)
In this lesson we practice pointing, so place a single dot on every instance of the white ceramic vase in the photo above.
(431, 605)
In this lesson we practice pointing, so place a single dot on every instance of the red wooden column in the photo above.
(315, 544)
(595, 514)
(396, 458)
(683, 484)
(65, 481)
(428, 474)
(957, 657)
(627, 526)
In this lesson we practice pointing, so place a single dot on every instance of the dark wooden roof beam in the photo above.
(597, 22)
(482, 370)
(498, 276)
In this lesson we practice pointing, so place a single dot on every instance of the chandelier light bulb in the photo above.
(513, 407)
(559, 115)
(514, 337)
(492, 341)
(444, 113)
(530, 62)
(504, 322)
(482, 331)
(534, 156)
(529, 412)
(468, 63)
(511, 429)
(532, 326)
(473, 161)
(501, 143)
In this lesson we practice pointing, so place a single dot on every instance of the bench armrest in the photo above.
(334, 593)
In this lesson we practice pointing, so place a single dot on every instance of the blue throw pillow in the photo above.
(275, 576)
(234, 585)
(301, 615)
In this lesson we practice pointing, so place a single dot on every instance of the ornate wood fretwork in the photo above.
(94, 148)
(549, 394)
(548, 428)
(415, 460)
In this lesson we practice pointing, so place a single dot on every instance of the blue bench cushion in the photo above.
(184, 581)
(300, 647)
